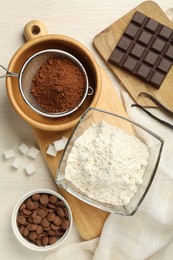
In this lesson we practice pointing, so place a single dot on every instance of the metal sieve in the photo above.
(28, 71)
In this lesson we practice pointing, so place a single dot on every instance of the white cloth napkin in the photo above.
(78, 251)
(149, 233)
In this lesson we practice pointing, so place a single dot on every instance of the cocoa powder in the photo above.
(58, 85)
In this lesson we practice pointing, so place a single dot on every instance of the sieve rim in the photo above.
(70, 57)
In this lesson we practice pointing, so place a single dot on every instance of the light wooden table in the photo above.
(81, 20)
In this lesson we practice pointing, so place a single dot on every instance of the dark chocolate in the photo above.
(158, 45)
(145, 49)
(144, 38)
(165, 33)
(152, 26)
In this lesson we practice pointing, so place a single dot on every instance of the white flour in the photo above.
(107, 164)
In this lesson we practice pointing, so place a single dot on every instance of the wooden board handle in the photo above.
(34, 29)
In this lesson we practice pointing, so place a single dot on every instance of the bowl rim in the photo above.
(26, 47)
(23, 240)
(90, 201)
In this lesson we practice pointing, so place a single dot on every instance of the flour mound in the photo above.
(107, 164)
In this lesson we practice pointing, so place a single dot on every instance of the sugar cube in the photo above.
(30, 169)
(51, 150)
(23, 148)
(9, 154)
(33, 152)
(16, 163)
(61, 143)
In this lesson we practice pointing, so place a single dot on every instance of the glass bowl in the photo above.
(154, 146)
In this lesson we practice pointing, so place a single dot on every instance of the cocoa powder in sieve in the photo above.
(58, 85)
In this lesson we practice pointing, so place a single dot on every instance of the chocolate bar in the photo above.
(145, 49)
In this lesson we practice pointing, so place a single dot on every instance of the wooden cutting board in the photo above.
(106, 41)
(88, 219)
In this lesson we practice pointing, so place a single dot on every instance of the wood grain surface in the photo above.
(106, 41)
(88, 219)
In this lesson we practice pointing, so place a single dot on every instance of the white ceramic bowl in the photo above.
(26, 242)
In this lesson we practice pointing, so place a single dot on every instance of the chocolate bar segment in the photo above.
(125, 44)
(151, 58)
(143, 71)
(169, 53)
(158, 46)
(152, 26)
(145, 49)
(130, 63)
(144, 38)
(165, 33)
(139, 19)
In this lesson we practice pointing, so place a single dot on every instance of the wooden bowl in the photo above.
(38, 40)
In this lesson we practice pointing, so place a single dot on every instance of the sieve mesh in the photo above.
(28, 72)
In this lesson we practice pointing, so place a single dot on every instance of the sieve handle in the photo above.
(90, 91)
(34, 29)
(8, 73)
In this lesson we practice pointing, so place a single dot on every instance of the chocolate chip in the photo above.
(51, 216)
(44, 199)
(33, 235)
(39, 229)
(60, 203)
(21, 229)
(35, 204)
(27, 212)
(45, 241)
(45, 222)
(65, 224)
(47, 228)
(37, 220)
(57, 221)
(60, 212)
(26, 232)
(30, 219)
(50, 210)
(51, 206)
(61, 232)
(21, 220)
(54, 227)
(52, 240)
(53, 199)
(30, 205)
(32, 227)
(66, 213)
(42, 219)
(34, 214)
(51, 233)
(36, 197)
(22, 207)
(40, 236)
(38, 242)
(42, 213)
